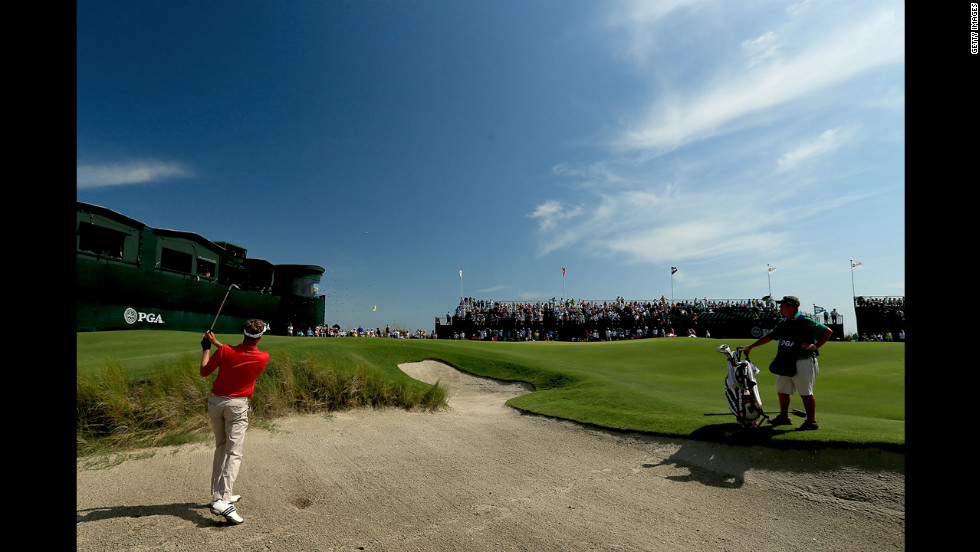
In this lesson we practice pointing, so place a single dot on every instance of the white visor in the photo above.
(255, 336)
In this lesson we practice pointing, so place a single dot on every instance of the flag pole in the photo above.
(673, 269)
(769, 270)
(853, 295)
(769, 278)
(562, 284)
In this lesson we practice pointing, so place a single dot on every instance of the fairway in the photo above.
(658, 386)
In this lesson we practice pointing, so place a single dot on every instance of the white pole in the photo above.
(769, 278)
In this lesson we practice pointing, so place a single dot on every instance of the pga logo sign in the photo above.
(132, 316)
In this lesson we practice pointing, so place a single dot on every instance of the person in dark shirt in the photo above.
(800, 339)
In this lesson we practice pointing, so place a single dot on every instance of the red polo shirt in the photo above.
(238, 367)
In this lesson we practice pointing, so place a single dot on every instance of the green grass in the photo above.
(656, 386)
(143, 389)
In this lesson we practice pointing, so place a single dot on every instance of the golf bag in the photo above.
(741, 389)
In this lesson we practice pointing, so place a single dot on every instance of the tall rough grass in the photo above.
(115, 412)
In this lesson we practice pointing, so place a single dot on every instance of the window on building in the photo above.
(205, 267)
(179, 261)
(100, 240)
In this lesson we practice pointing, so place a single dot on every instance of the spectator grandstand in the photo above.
(590, 320)
(878, 317)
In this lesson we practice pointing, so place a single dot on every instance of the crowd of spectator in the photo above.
(893, 306)
(880, 318)
(886, 335)
(608, 320)
(338, 331)
(581, 311)
(594, 320)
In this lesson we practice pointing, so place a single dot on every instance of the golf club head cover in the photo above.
(205, 343)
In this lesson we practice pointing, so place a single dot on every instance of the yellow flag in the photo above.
(375, 307)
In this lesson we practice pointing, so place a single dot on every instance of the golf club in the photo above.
(222, 305)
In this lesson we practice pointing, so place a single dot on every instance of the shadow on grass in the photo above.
(198, 514)
(733, 434)
(767, 435)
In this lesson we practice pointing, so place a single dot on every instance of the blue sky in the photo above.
(395, 143)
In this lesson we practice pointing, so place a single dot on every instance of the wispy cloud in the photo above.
(492, 289)
(827, 142)
(637, 22)
(649, 226)
(133, 172)
(762, 49)
(668, 189)
(532, 295)
(771, 77)
(550, 213)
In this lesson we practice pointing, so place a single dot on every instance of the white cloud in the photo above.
(761, 49)
(551, 217)
(531, 295)
(552, 212)
(661, 198)
(828, 141)
(491, 289)
(702, 238)
(664, 224)
(679, 117)
(121, 174)
(637, 21)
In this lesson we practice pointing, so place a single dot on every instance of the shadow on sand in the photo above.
(198, 514)
(705, 464)
(719, 455)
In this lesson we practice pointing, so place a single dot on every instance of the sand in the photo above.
(481, 476)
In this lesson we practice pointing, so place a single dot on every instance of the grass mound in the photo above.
(165, 403)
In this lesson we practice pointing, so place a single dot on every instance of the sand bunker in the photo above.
(481, 476)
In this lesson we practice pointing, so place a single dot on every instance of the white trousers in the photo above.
(229, 420)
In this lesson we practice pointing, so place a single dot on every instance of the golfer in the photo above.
(238, 367)
(799, 338)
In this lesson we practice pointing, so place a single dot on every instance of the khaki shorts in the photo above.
(807, 371)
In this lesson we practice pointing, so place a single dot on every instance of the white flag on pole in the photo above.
(772, 269)
(855, 264)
